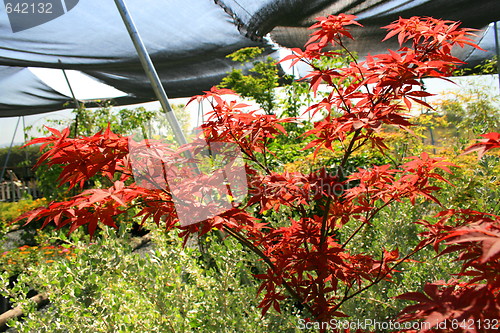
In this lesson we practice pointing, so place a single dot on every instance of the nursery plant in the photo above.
(304, 226)
(104, 285)
(89, 121)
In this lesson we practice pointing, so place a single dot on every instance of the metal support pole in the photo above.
(27, 169)
(77, 103)
(497, 47)
(10, 151)
(150, 70)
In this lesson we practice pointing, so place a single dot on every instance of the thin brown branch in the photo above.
(18, 311)
(381, 277)
(240, 238)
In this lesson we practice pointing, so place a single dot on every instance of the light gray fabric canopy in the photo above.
(188, 40)
(22, 90)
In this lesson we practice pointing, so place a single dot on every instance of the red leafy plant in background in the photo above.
(305, 259)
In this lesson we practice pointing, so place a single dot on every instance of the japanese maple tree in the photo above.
(305, 257)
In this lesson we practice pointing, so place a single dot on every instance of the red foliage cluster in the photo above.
(490, 141)
(473, 304)
(306, 260)
(231, 122)
(103, 153)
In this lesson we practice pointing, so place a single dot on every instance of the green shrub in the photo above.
(107, 288)
(9, 211)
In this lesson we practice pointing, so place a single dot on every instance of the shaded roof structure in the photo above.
(22, 90)
(188, 40)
